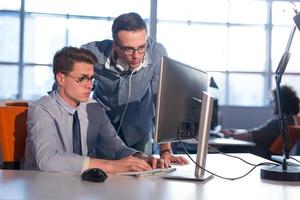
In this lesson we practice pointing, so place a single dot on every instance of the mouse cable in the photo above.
(219, 176)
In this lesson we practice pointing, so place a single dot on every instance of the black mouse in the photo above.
(94, 175)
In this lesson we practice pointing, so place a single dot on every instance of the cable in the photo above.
(294, 159)
(128, 99)
(216, 150)
(219, 176)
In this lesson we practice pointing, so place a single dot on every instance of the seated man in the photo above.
(68, 134)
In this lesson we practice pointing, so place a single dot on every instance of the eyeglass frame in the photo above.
(125, 48)
(83, 80)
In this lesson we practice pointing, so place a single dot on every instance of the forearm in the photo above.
(54, 161)
(242, 136)
(105, 165)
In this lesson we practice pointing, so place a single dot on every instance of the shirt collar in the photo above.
(71, 110)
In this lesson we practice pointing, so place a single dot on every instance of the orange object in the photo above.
(17, 103)
(13, 132)
(294, 134)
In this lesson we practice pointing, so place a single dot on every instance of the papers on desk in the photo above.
(154, 172)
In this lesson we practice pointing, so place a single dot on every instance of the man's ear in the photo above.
(60, 78)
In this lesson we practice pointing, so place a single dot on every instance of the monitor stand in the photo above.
(202, 148)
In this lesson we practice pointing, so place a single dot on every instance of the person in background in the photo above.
(69, 133)
(128, 73)
(264, 135)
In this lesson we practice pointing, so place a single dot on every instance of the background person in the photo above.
(264, 135)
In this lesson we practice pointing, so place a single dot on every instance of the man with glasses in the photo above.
(66, 133)
(128, 72)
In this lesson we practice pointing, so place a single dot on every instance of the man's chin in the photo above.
(84, 99)
(134, 65)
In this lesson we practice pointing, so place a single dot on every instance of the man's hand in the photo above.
(153, 162)
(130, 163)
(228, 132)
(170, 158)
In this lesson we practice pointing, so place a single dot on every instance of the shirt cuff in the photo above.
(86, 163)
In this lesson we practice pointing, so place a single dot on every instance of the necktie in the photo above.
(76, 135)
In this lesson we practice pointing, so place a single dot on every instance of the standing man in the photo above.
(68, 134)
(128, 73)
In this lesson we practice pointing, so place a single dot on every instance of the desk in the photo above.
(229, 142)
(41, 185)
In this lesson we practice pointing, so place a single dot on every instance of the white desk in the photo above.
(41, 185)
(229, 142)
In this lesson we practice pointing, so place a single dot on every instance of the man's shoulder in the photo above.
(92, 106)
(156, 49)
(100, 45)
(153, 44)
(42, 101)
(101, 49)
(45, 104)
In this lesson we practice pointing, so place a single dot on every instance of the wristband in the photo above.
(164, 151)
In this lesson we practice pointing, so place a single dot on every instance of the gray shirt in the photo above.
(49, 141)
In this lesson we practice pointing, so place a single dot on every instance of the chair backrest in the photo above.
(294, 133)
(13, 132)
(17, 103)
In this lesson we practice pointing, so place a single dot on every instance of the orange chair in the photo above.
(13, 132)
(17, 103)
(294, 132)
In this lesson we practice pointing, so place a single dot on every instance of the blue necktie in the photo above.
(76, 135)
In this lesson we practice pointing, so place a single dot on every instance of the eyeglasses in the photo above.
(130, 50)
(83, 80)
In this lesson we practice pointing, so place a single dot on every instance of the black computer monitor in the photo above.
(183, 107)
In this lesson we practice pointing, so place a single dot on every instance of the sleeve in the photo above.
(109, 144)
(46, 143)
(266, 134)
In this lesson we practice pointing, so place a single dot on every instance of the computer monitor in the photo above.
(215, 115)
(183, 107)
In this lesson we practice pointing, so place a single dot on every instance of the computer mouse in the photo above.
(94, 175)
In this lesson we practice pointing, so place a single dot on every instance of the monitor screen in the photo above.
(184, 109)
(179, 100)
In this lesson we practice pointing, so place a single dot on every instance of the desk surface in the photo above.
(229, 142)
(41, 185)
(215, 141)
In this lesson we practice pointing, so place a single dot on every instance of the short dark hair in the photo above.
(289, 100)
(64, 59)
(127, 22)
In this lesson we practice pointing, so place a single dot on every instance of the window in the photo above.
(239, 42)
(48, 26)
(233, 40)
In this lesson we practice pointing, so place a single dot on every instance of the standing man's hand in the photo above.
(153, 162)
(166, 154)
(170, 158)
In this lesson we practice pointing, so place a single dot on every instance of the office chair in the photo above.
(13, 132)
(294, 132)
(17, 103)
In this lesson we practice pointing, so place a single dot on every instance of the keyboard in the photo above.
(153, 172)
